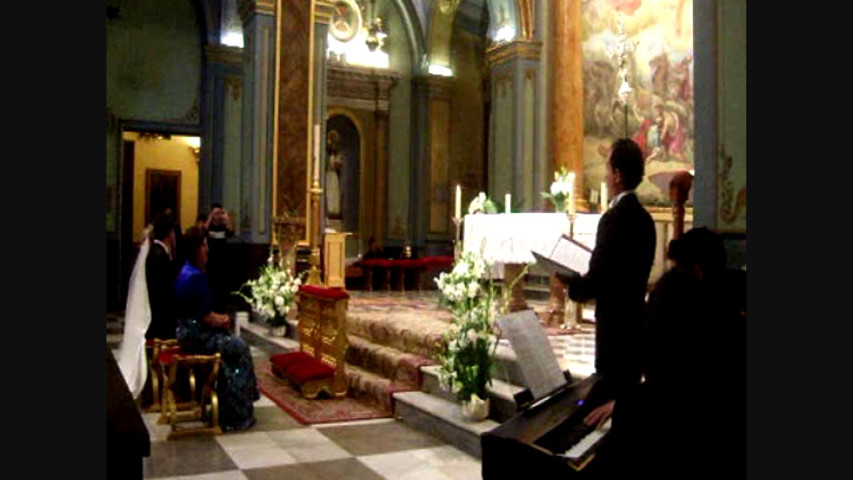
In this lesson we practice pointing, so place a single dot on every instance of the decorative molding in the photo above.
(324, 10)
(235, 83)
(224, 55)
(192, 115)
(258, 7)
(501, 52)
(360, 88)
(730, 207)
(530, 74)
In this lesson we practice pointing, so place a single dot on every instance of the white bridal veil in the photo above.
(137, 317)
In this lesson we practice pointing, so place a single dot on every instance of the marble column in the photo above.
(224, 83)
(567, 95)
(514, 166)
(258, 18)
(430, 204)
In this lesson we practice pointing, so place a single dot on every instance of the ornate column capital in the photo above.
(437, 87)
(224, 55)
(247, 8)
(324, 10)
(504, 51)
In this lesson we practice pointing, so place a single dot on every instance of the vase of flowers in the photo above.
(273, 294)
(482, 204)
(560, 189)
(465, 363)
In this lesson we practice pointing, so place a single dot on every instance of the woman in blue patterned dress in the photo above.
(201, 330)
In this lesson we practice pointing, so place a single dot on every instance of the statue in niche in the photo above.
(334, 164)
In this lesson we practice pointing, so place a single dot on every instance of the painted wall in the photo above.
(154, 68)
(173, 154)
(662, 80)
(400, 120)
(154, 61)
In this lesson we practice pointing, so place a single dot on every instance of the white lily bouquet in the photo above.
(560, 189)
(482, 204)
(466, 361)
(273, 293)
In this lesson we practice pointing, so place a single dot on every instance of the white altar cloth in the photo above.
(509, 238)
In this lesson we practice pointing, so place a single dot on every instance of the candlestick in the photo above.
(458, 211)
(603, 197)
(457, 249)
(507, 203)
(572, 208)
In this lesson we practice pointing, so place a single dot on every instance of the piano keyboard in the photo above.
(586, 443)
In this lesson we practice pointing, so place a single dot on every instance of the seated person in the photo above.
(203, 331)
(687, 415)
(373, 251)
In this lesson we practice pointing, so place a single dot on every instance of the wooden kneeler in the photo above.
(319, 365)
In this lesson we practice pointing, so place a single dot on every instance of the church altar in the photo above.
(509, 238)
(506, 240)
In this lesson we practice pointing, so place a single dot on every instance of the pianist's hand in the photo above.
(600, 415)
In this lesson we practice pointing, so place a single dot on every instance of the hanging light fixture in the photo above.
(375, 32)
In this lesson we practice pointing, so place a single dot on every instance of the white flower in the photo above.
(472, 336)
(279, 300)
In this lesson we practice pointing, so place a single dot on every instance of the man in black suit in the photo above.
(617, 279)
(160, 279)
(218, 268)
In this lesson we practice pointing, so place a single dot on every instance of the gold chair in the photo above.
(204, 408)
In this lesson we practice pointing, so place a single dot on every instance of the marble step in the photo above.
(386, 361)
(416, 332)
(501, 393)
(375, 389)
(441, 418)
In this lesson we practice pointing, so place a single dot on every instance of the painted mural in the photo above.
(658, 111)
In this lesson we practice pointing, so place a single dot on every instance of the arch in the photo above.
(414, 29)
(362, 155)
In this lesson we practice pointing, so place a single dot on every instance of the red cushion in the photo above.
(309, 370)
(282, 361)
(412, 263)
(439, 261)
(330, 293)
(377, 262)
(168, 353)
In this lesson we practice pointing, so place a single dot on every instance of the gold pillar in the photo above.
(567, 96)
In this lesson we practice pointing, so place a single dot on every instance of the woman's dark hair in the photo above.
(627, 157)
(699, 247)
(193, 240)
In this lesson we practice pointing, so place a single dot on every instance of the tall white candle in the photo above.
(458, 210)
(572, 209)
(508, 203)
(317, 153)
(604, 198)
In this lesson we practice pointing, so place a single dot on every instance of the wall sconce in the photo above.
(194, 143)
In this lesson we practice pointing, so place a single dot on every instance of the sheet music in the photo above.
(535, 357)
(572, 255)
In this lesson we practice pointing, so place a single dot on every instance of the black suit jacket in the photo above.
(160, 279)
(617, 279)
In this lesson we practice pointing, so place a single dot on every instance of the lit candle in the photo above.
(458, 210)
(572, 209)
(317, 153)
(603, 197)
(508, 203)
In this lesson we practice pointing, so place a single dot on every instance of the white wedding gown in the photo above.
(137, 316)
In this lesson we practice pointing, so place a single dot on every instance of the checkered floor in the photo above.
(278, 447)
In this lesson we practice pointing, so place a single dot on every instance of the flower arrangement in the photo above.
(273, 293)
(465, 363)
(482, 204)
(560, 189)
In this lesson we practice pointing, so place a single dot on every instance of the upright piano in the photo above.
(548, 437)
